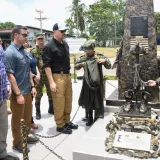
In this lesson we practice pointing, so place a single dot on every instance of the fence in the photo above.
(113, 42)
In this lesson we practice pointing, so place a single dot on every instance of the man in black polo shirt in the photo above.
(56, 61)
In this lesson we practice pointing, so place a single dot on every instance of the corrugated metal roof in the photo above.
(6, 29)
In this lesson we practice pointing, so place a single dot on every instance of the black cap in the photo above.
(60, 27)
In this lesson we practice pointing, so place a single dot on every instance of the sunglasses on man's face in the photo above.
(40, 38)
(63, 31)
(24, 35)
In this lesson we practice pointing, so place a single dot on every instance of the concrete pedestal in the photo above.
(92, 144)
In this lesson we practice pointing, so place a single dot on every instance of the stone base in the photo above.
(134, 112)
(92, 145)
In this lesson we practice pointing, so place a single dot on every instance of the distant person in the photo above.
(5, 92)
(92, 92)
(116, 63)
(17, 63)
(56, 60)
(37, 53)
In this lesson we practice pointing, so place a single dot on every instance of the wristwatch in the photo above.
(33, 87)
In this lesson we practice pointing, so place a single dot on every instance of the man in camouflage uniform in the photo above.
(37, 53)
(92, 92)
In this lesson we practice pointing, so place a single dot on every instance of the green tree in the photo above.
(77, 10)
(102, 18)
(6, 25)
(157, 18)
(71, 26)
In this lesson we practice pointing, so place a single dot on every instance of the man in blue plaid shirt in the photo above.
(5, 92)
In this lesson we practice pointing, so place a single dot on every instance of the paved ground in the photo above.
(63, 144)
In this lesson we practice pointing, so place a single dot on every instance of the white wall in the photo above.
(75, 44)
(32, 36)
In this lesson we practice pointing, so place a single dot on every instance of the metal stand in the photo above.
(74, 70)
(138, 108)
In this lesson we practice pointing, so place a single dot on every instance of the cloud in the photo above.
(54, 10)
(9, 11)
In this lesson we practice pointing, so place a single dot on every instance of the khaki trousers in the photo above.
(20, 111)
(62, 99)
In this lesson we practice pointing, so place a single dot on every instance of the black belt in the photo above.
(61, 72)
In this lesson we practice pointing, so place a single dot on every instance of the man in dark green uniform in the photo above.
(92, 92)
(37, 53)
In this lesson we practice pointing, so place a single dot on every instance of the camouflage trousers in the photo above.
(39, 88)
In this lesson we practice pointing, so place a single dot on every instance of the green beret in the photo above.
(88, 46)
(39, 35)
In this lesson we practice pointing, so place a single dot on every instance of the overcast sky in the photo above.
(55, 10)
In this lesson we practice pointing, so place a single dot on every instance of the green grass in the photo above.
(107, 51)
(107, 77)
(73, 76)
(111, 77)
(44, 89)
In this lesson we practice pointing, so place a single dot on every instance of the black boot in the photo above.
(64, 130)
(90, 119)
(38, 111)
(144, 104)
(128, 95)
(50, 109)
(85, 119)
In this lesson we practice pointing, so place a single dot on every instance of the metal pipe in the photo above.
(74, 70)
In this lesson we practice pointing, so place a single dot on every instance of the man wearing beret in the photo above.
(56, 60)
(92, 92)
(37, 53)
